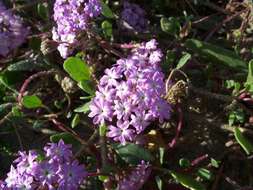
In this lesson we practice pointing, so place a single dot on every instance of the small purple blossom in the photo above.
(122, 132)
(71, 175)
(101, 111)
(58, 152)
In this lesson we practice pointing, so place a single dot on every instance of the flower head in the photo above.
(134, 15)
(130, 94)
(72, 17)
(12, 31)
(57, 170)
(136, 178)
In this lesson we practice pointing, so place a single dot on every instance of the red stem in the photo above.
(29, 80)
(198, 160)
(179, 127)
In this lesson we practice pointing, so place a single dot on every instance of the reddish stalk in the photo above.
(198, 160)
(179, 127)
(29, 80)
(62, 127)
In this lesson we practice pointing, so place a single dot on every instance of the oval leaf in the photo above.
(243, 141)
(186, 57)
(187, 181)
(170, 25)
(83, 109)
(107, 28)
(31, 102)
(87, 86)
(77, 69)
(106, 11)
(132, 153)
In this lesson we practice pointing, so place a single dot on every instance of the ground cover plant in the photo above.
(126, 95)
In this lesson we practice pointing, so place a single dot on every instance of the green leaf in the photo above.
(77, 69)
(7, 79)
(250, 73)
(107, 28)
(187, 181)
(31, 102)
(231, 119)
(87, 86)
(75, 121)
(26, 65)
(16, 111)
(214, 163)
(185, 163)
(169, 59)
(170, 25)
(183, 60)
(102, 130)
(159, 182)
(216, 54)
(243, 141)
(103, 178)
(66, 137)
(84, 108)
(38, 124)
(161, 154)
(106, 11)
(42, 9)
(205, 174)
(229, 84)
(132, 153)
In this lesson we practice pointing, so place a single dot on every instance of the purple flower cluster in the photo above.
(134, 15)
(137, 177)
(56, 169)
(129, 95)
(72, 17)
(12, 31)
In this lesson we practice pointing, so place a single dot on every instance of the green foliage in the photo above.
(187, 181)
(102, 130)
(215, 163)
(83, 109)
(231, 84)
(27, 65)
(87, 86)
(205, 174)
(32, 102)
(106, 11)
(107, 29)
(77, 69)
(132, 153)
(236, 116)
(185, 163)
(42, 9)
(159, 182)
(170, 25)
(216, 54)
(183, 60)
(66, 137)
(249, 82)
(75, 121)
(243, 141)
